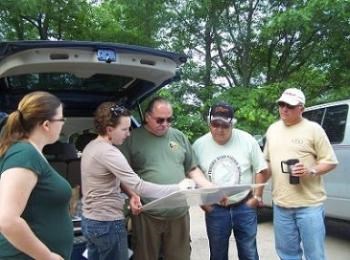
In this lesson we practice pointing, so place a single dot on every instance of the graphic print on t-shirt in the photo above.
(224, 170)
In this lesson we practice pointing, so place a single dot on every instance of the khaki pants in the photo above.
(167, 238)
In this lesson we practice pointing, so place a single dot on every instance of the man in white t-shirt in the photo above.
(298, 197)
(231, 156)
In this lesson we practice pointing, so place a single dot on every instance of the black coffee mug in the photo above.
(288, 164)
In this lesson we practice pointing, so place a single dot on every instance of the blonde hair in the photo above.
(33, 109)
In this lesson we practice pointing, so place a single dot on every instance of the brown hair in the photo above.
(108, 114)
(33, 109)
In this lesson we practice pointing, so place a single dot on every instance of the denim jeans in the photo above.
(106, 240)
(298, 230)
(220, 222)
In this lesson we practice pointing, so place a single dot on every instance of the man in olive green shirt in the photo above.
(161, 154)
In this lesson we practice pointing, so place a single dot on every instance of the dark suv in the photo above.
(82, 75)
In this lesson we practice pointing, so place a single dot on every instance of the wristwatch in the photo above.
(258, 198)
(313, 172)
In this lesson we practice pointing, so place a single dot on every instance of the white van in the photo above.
(334, 117)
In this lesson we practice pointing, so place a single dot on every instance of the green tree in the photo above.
(131, 22)
(39, 19)
(247, 52)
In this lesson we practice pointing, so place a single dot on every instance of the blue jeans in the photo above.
(298, 229)
(220, 222)
(106, 240)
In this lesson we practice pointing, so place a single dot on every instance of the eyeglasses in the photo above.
(216, 124)
(118, 110)
(161, 120)
(282, 105)
(58, 120)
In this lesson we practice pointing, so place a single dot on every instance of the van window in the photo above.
(334, 122)
(332, 119)
(314, 115)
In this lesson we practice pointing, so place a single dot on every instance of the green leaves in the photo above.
(245, 52)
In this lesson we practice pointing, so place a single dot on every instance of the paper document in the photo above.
(196, 197)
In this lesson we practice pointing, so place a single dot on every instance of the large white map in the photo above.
(196, 197)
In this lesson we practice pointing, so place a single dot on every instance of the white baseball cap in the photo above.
(292, 96)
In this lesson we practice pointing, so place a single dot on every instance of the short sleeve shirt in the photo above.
(241, 153)
(46, 212)
(307, 142)
(160, 159)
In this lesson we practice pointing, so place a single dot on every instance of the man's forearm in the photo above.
(198, 177)
(261, 177)
(322, 168)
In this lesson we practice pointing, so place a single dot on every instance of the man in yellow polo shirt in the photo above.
(298, 199)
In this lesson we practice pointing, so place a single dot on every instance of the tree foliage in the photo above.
(40, 19)
(245, 52)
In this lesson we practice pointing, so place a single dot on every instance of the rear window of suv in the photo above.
(68, 81)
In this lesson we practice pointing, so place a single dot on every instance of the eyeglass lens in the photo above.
(161, 120)
(282, 105)
(58, 120)
(219, 125)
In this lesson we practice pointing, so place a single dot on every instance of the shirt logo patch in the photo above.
(174, 145)
(224, 170)
(297, 141)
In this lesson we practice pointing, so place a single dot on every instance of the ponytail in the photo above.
(33, 109)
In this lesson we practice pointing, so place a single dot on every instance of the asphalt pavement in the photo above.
(337, 241)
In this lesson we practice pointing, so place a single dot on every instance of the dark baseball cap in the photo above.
(221, 111)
